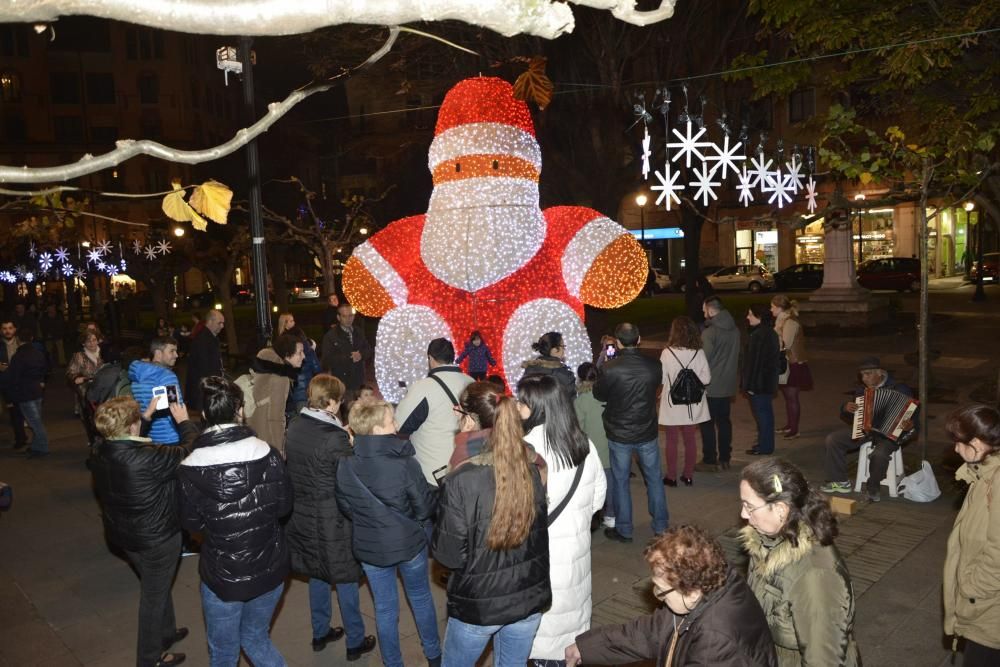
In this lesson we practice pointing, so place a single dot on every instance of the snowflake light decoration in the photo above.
(124, 265)
(668, 186)
(771, 180)
(94, 255)
(8, 277)
(137, 246)
(29, 277)
(45, 261)
(745, 187)
(150, 251)
(68, 270)
(111, 269)
(689, 145)
(163, 247)
(104, 247)
(726, 157)
(81, 274)
(62, 255)
(645, 153)
(19, 270)
(794, 175)
(706, 186)
(811, 195)
(101, 265)
(32, 251)
(760, 172)
(782, 191)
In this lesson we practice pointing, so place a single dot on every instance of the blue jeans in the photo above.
(321, 610)
(416, 583)
(231, 625)
(464, 642)
(609, 498)
(649, 465)
(718, 408)
(763, 411)
(32, 411)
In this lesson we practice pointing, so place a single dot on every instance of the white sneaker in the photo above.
(609, 521)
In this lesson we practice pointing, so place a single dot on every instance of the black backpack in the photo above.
(110, 381)
(687, 388)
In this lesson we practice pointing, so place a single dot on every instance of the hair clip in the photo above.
(777, 483)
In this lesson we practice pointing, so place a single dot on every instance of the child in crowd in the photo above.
(480, 357)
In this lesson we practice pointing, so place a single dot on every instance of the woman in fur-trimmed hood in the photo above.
(795, 571)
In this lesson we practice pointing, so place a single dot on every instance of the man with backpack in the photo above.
(427, 412)
(628, 384)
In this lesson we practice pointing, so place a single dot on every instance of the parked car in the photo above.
(241, 294)
(799, 276)
(303, 290)
(204, 299)
(679, 281)
(751, 277)
(662, 280)
(991, 267)
(896, 273)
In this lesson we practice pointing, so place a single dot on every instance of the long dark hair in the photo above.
(222, 400)
(550, 405)
(482, 400)
(777, 480)
(547, 342)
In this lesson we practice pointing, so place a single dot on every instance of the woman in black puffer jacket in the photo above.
(235, 491)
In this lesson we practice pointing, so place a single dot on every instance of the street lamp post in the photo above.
(980, 294)
(641, 201)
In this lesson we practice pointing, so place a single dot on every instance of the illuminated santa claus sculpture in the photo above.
(485, 256)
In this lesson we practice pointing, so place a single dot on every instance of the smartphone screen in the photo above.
(440, 474)
(609, 351)
(160, 397)
(171, 393)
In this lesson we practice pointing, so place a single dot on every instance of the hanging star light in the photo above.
(760, 172)
(124, 265)
(104, 247)
(150, 251)
(726, 157)
(19, 270)
(62, 255)
(705, 185)
(794, 175)
(8, 277)
(67, 270)
(32, 252)
(811, 195)
(81, 274)
(781, 191)
(689, 145)
(45, 261)
(29, 277)
(111, 270)
(646, 139)
(668, 186)
(163, 247)
(745, 187)
(94, 255)
(101, 265)
(137, 246)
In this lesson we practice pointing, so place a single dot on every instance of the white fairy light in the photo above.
(793, 175)
(401, 353)
(62, 255)
(527, 325)
(745, 187)
(705, 185)
(150, 251)
(781, 190)
(726, 157)
(137, 246)
(163, 247)
(94, 255)
(689, 145)
(484, 139)
(68, 270)
(383, 272)
(45, 261)
(811, 195)
(104, 247)
(668, 186)
(646, 139)
(584, 248)
(760, 172)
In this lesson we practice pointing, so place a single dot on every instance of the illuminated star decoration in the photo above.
(668, 186)
(772, 179)
(81, 274)
(8, 277)
(67, 270)
(29, 276)
(645, 153)
(19, 270)
(150, 252)
(705, 183)
(163, 247)
(760, 172)
(101, 265)
(32, 253)
(111, 269)
(745, 187)
(811, 195)
(94, 255)
(104, 247)
(62, 255)
(727, 157)
(689, 145)
(794, 176)
(137, 246)
(782, 189)
(45, 261)
(124, 265)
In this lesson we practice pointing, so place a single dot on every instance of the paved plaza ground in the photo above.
(66, 599)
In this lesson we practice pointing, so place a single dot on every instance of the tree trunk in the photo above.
(326, 266)
(691, 224)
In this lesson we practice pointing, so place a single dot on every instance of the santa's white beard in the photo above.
(478, 231)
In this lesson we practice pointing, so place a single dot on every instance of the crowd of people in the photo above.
(299, 468)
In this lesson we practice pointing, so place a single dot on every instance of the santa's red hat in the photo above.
(480, 116)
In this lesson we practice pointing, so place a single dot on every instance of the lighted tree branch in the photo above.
(541, 18)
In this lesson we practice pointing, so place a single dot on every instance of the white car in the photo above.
(662, 280)
(751, 277)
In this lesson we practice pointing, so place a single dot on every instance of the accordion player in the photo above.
(883, 411)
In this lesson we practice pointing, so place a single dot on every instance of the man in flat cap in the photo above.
(839, 443)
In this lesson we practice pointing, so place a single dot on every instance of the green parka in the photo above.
(590, 414)
(972, 566)
(807, 597)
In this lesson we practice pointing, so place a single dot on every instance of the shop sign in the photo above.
(763, 225)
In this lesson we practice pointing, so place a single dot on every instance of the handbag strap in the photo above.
(554, 514)
(371, 495)
(451, 396)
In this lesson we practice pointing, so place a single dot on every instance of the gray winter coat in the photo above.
(721, 342)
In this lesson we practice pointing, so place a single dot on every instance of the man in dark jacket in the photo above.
(204, 358)
(628, 384)
(136, 484)
(8, 346)
(759, 376)
(344, 351)
(721, 342)
(840, 443)
(23, 384)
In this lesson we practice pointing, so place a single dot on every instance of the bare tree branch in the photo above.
(543, 18)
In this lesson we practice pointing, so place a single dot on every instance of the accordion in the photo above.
(882, 411)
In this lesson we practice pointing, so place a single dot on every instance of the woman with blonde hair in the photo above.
(286, 322)
(797, 376)
(680, 420)
(972, 567)
(492, 533)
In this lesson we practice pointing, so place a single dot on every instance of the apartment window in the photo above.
(801, 105)
(143, 44)
(101, 88)
(156, 179)
(103, 134)
(149, 88)
(152, 127)
(10, 86)
(13, 41)
(69, 129)
(759, 114)
(65, 87)
(14, 128)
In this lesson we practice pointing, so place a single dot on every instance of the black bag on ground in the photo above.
(687, 388)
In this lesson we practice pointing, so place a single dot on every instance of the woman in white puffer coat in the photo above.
(552, 429)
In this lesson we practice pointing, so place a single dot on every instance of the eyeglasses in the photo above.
(750, 510)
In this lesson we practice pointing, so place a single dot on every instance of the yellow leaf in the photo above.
(534, 85)
(213, 200)
(913, 147)
(197, 221)
(866, 177)
(175, 207)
